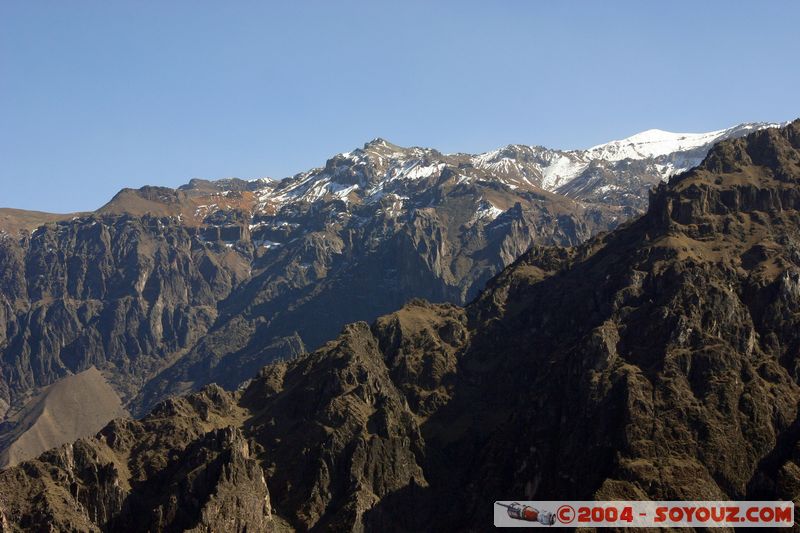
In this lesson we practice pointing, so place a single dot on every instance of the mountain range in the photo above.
(164, 291)
(656, 361)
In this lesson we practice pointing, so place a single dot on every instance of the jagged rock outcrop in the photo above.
(184, 467)
(659, 361)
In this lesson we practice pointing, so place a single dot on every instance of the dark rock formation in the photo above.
(182, 468)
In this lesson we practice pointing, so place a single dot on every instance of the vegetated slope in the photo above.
(49, 419)
(656, 362)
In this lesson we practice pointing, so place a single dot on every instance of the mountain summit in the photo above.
(656, 143)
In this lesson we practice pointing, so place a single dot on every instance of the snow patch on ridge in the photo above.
(486, 211)
(652, 143)
(561, 170)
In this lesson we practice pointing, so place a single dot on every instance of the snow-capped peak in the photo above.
(652, 143)
(666, 152)
(655, 143)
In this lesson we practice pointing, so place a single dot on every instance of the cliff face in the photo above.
(656, 362)
(124, 294)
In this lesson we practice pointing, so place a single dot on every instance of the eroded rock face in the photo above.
(123, 294)
(185, 466)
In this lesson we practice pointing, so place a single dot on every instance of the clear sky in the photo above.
(99, 95)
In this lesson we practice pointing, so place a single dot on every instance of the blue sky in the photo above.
(96, 96)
